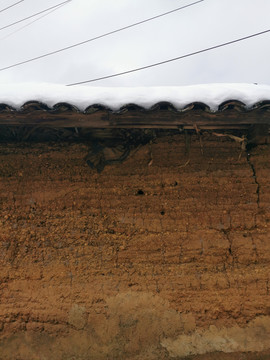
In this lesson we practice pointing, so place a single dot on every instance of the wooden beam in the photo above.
(135, 119)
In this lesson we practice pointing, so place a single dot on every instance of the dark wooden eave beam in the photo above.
(136, 119)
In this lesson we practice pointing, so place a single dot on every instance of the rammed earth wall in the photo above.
(161, 257)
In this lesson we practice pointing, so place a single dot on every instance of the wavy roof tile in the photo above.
(170, 107)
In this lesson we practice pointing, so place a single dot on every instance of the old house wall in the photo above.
(161, 257)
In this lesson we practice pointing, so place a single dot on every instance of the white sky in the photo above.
(206, 24)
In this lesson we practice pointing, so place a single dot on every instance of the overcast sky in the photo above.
(208, 23)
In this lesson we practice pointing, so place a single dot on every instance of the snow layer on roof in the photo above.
(82, 96)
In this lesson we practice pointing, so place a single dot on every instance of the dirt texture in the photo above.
(165, 256)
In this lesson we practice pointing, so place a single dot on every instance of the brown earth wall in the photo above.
(165, 256)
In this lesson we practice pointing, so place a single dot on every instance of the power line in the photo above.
(36, 14)
(10, 6)
(171, 60)
(98, 37)
(48, 13)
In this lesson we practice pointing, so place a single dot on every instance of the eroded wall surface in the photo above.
(162, 257)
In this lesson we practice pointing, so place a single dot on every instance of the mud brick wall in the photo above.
(163, 256)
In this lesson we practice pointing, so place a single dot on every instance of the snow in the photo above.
(212, 95)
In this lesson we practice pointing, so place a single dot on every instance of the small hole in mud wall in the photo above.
(162, 212)
(140, 192)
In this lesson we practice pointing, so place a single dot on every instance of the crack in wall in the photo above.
(251, 165)
(254, 247)
(230, 248)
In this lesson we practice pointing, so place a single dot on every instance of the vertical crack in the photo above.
(254, 177)
(254, 247)
(231, 253)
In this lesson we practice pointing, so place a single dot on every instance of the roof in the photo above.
(81, 97)
(211, 105)
(116, 121)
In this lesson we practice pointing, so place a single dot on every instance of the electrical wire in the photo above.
(98, 37)
(173, 59)
(36, 14)
(10, 6)
(44, 15)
